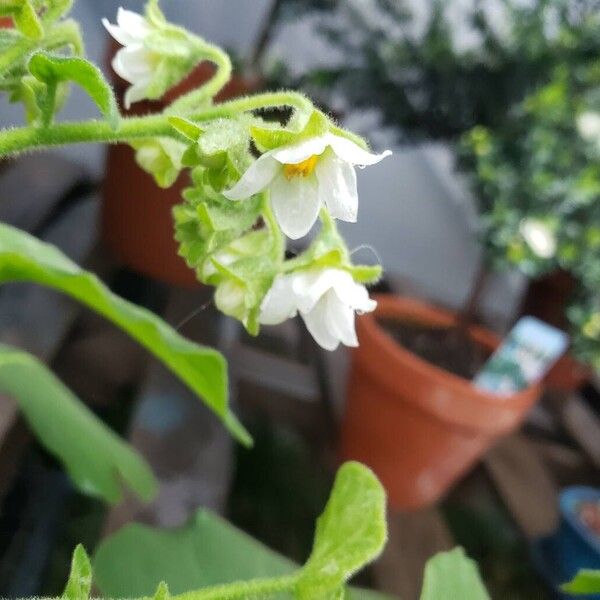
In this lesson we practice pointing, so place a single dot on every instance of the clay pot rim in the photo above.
(403, 307)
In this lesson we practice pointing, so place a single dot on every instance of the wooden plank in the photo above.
(188, 449)
(33, 186)
(525, 485)
(414, 537)
(583, 425)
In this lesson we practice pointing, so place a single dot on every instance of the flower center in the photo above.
(304, 168)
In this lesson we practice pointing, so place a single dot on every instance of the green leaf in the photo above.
(206, 552)
(53, 70)
(204, 370)
(351, 532)
(95, 458)
(453, 575)
(80, 579)
(587, 581)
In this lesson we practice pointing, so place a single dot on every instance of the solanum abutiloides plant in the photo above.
(258, 176)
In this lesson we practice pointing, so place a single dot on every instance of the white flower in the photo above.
(588, 126)
(539, 237)
(302, 177)
(134, 62)
(325, 298)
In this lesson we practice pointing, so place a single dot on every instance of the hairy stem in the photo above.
(258, 588)
(211, 88)
(14, 141)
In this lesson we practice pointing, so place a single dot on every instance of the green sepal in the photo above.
(53, 70)
(154, 14)
(79, 585)
(184, 126)
(161, 158)
(31, 93)
(27, 21)
(243, 273)
(178, 52)
(55, 10)
(328, 250)
(268, 136)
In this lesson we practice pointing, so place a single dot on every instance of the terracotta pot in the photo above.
(420, 428)
(137, 223)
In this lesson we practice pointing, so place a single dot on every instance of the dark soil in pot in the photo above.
(448, 349)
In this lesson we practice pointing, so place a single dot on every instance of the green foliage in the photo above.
(53, 70)
(452, 575)
(349, 533)
(24, 258)
(79, 585)
(210, 552)
(587, 581)
(98, 462)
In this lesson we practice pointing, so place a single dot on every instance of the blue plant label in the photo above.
(523, 358)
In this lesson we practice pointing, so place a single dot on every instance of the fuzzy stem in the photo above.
(257, 588)
(211, 88)
(14, 141)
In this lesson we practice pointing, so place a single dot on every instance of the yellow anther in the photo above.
(304, 168)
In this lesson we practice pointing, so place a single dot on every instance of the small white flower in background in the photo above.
(134, 62)
(325, 298)
(539, 237)
(588, 126)
(302, 177)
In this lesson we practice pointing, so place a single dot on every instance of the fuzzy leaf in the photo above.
(351, 532)
(96, 459)
(55, 69)
(204, 370)
(80, 579)
(453, 575)
(208, 551)
(587, 581)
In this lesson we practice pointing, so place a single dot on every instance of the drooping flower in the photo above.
(304, 176)
(539, 237)
(134, 62)
(325, 298)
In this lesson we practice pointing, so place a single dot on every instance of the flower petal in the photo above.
(135, 93)
(318, 324)
(352, 153)
(341, 320)
(119, 34)
(295, 204)
(296, 153)
(256, 178)
(337, 187)
(309, 286)
(280, 303)
(133, 63)
(354, 294)
(133, 24)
